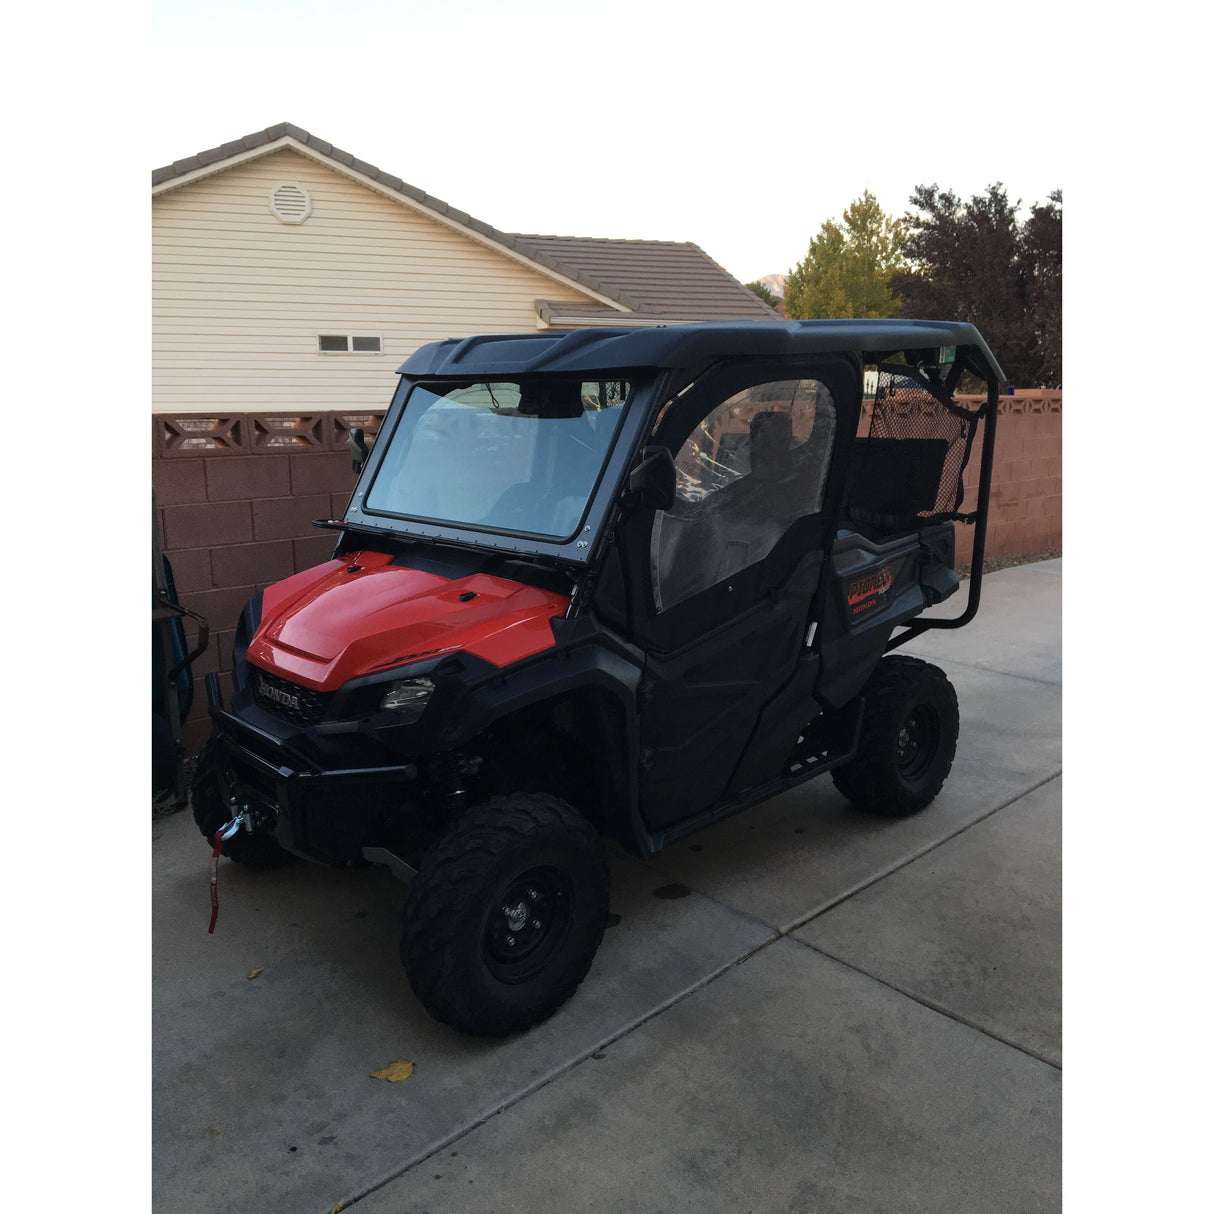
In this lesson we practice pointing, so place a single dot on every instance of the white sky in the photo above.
(740, 128)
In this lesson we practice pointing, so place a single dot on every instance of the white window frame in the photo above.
(350, 338)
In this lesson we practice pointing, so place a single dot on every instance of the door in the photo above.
(730, 574)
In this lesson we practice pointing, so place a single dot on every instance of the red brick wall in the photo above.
(1026, 485)
(237, 495)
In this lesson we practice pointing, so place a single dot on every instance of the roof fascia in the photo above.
(228, 162)
(295, 145)
(547, 317)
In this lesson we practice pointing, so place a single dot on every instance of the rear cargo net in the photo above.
(908, 469)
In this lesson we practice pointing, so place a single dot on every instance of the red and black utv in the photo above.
(604, 584)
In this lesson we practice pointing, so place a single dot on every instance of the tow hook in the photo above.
(242, 817)
(224, 833)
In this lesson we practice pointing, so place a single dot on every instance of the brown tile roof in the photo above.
(666, 277)
(653, 278)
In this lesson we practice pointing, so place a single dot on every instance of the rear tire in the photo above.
(211, 811)
(505, 915)
(908, 738)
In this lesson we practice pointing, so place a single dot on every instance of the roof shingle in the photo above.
(666, 278)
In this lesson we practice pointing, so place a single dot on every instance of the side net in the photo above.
(909, 469)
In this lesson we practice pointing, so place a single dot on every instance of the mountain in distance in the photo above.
(775, 284)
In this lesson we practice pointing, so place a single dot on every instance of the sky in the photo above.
(741, 128)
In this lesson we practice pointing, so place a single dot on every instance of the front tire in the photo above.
(211, 811)
(505, 915)
(908, 738)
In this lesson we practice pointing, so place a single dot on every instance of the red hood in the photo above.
(327, 625)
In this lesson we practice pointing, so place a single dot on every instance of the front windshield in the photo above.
(505, 456)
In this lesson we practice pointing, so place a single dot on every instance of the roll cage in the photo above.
(662, 365)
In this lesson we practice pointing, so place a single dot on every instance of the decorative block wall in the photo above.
(237, 494)
(1026, 486)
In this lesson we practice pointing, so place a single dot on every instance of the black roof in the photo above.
(690, 347)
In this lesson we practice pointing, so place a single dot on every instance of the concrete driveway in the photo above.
(832, 1013)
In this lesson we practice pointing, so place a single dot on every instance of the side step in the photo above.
(830, 740)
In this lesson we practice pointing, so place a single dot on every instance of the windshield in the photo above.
(519, 455)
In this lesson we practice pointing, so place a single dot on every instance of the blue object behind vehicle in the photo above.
(184, 681)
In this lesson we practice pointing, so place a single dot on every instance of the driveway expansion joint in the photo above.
(930, 1004)
(927, 849)
(557, 1073)
(777, 934)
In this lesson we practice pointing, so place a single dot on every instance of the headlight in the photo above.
(408, 698)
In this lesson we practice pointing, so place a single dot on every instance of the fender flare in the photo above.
(613, 676)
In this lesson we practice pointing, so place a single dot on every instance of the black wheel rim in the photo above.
(526, 924)
(917, 742)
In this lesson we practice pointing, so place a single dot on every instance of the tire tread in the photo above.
(871, 781)
(436, 909)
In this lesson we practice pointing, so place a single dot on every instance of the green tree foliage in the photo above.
(847, 270)
(1043, 253)
(975, 261)
(764, 294)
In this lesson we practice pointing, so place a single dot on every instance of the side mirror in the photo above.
(651, 482)
(358, 449)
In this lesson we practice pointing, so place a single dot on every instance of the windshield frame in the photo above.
(577, 549)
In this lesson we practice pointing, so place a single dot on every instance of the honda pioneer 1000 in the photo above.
(604, 584)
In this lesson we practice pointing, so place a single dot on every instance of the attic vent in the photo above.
(290, 202)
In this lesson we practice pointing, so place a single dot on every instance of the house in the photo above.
(289, 275)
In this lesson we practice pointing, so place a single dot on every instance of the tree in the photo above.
(1043, 253)
(974, 261)
(764, 294)
(847, 270)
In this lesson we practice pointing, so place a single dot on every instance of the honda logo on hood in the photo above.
(269, 692)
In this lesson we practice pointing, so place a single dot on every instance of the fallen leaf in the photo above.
(341, 1205)
(254, 973)
(394, 1072)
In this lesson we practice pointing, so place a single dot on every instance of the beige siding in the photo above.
(239, 297)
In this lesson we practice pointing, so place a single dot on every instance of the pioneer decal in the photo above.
(868, 592)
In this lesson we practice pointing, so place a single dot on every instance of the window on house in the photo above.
(349, 343)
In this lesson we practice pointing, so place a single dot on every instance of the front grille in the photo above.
(290, 701)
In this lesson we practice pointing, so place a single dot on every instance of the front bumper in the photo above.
(325, 814)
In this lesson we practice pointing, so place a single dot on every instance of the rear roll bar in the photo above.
(922, 624)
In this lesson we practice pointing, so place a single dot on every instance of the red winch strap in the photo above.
(215, 877)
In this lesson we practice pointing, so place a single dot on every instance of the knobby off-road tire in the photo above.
(211, 811)
(908, 738)
(505, 914)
